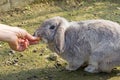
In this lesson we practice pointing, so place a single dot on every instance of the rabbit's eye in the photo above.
(52, 27)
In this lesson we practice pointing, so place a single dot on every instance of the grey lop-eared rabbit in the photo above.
(95, 42)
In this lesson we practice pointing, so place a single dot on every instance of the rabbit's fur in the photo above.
(95, 42)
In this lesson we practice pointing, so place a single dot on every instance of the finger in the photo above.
(31, 38)
(22, 45)
(26, 43)
(21, 40)
(14, 44)
(21, 48)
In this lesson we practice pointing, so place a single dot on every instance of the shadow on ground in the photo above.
(57, 74)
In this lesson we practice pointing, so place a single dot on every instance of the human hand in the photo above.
(17, 38)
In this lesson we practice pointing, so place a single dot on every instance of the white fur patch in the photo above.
(45, 40)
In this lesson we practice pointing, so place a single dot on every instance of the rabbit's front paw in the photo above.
(91, 69)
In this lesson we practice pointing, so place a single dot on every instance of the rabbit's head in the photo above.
(53, 31)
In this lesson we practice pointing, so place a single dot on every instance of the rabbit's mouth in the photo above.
(44, 40)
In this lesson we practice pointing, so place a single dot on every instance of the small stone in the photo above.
(42, 51)
(21, 55)
(118, 8)
(118, 74)
(16, 64)
(22, 64)
(16, 60)
(40, 54)
(52, 57)
(11, 52)
(34, 51)
(57, 64)
(8, 63)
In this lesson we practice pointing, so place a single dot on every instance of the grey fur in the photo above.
(96, 42)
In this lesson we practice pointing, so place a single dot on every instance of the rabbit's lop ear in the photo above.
(60, 34)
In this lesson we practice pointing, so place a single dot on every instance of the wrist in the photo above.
(6, 33)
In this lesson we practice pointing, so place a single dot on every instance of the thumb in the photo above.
(17, 45)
